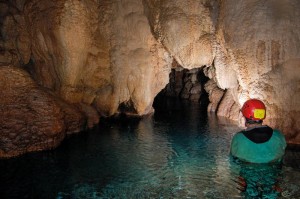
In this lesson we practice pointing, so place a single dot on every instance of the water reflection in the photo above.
(177, 153)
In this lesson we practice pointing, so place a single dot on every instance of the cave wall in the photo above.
(102, 53)
(185, 28)
(107, 57)
(99, 53)
(259, 47)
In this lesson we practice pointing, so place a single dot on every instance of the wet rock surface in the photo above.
(185, 84)
(32, 118)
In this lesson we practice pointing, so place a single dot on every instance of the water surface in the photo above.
(179, 152)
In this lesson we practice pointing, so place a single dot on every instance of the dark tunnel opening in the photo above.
(184, 86)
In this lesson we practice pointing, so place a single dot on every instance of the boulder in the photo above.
(32, 118)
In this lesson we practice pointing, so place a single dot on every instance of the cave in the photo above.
(135, 86)
(187, 85)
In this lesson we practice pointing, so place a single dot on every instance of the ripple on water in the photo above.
(178, 154)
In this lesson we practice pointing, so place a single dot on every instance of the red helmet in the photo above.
(254, 109)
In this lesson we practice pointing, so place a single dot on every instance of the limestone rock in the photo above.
(32, 119)
(228, 107)
(91, 113)
(75, 119)
(215, 95)
(184, 84)
(185, 28)
(98, 53)
(175, 85)
(262, 56)
(14, 39)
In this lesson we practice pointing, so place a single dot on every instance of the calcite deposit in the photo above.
(258, 57)
(100, 53)
(185, 28)
(86, 58)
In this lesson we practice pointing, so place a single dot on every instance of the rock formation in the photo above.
(32, 118)
(109, 57)
(185, 84)
(258, 50)
(97, 53)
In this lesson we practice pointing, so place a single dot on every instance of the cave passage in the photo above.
(185, 85)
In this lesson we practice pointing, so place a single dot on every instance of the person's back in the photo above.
(258, 143)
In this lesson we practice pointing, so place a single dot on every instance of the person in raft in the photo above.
(258, 143)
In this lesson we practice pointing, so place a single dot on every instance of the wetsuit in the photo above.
(258, 145)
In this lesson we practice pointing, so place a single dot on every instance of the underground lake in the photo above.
(178, 152)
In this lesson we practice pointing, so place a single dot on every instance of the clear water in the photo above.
(180, 152)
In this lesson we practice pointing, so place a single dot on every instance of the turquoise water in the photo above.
(179, 152)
